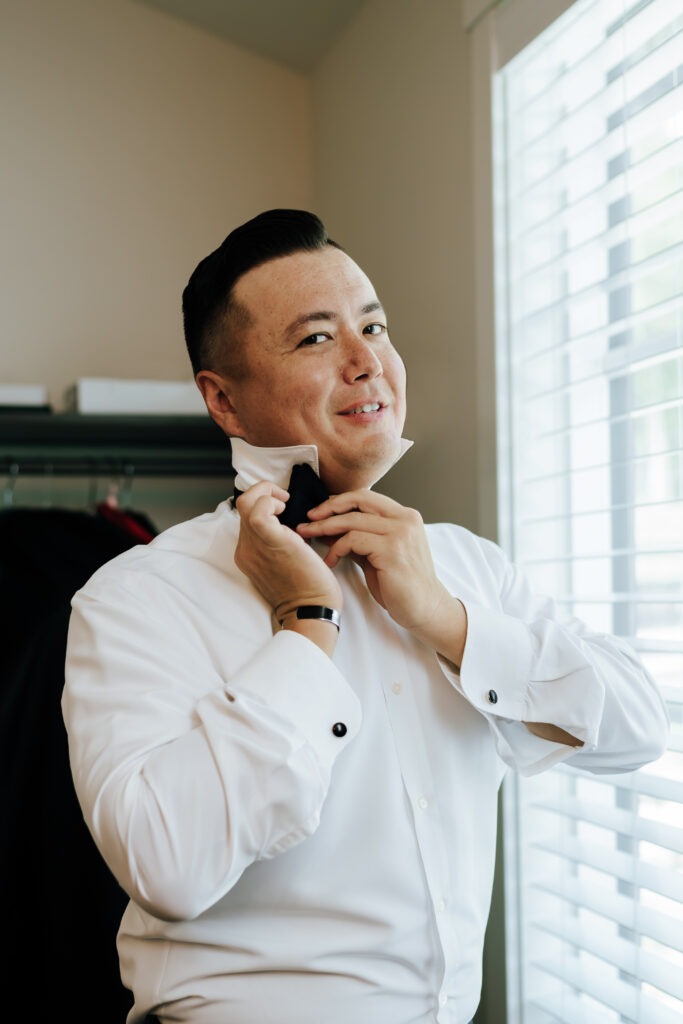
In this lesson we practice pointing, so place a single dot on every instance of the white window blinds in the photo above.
(588, 209)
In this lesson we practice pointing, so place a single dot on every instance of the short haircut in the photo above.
(212, 318)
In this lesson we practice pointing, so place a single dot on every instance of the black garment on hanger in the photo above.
(61, 906)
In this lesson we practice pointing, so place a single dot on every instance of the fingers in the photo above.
(247, 501)
(262, 516)
(362, 500)
(342, 523)
(258, 508)
(358, 543)
(265, 505)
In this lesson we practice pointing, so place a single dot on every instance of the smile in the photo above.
(368, 407)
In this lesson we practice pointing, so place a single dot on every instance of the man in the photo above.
(304, 815)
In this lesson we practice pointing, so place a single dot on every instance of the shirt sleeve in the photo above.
(526, 662)
(182, 793)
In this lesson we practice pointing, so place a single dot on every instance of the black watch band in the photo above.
(319, 611)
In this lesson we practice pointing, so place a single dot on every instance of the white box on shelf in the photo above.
(23, 395)
(104, 395)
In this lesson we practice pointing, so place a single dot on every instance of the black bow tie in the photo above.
(306, 490)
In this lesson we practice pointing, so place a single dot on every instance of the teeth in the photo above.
(374, 407)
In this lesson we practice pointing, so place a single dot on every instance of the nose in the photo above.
(361, 360)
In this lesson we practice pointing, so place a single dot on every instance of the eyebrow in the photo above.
(324, 314)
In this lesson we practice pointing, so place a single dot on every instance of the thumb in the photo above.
(371, 578)
(263, 519)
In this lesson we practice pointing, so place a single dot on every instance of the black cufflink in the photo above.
(492, 697)
(339, 729)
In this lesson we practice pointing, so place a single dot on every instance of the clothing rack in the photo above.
(76, 444)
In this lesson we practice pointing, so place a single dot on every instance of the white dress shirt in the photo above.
(282, 874)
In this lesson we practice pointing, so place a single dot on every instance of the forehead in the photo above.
(283, 289)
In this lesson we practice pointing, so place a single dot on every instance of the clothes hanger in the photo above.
(48, 475)
(126, 520)
(127, 485)
(93, 484)
(8, 493)
(112, 499)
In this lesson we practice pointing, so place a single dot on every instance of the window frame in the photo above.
(498, 31)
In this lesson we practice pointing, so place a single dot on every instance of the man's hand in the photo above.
(286, 570)
(389, 543)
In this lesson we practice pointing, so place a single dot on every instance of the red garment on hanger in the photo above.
(125, 522)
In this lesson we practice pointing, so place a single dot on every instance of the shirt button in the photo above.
(441, 905)
(339, 729)
(423, 803)
(492, 697)
(443, 999)
(396, 688)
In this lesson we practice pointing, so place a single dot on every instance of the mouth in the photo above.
(365, 410)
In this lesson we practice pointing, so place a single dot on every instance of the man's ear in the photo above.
(216, 391)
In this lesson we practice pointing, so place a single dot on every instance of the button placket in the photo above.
(417, 769)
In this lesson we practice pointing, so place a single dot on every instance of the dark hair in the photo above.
(211, 316)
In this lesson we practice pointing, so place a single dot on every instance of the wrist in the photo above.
(313, 612)
(447, 630)
(322, 631)
(287, 609)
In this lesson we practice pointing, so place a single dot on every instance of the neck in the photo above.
(253, 463)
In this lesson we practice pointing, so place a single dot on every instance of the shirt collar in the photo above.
(252, 464)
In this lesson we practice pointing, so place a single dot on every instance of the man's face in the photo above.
(316, 351)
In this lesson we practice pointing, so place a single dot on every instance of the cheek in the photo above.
(397, 371)
(298, 406)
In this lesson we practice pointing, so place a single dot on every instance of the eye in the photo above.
(313, 339)
(374, 329)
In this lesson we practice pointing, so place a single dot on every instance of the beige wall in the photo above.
(393, 181)
(131, 143)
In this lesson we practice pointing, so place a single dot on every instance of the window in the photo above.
(588, 222)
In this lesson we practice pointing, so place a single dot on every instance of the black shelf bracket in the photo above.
(73, 444)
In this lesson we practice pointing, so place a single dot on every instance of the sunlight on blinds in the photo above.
(588, 154)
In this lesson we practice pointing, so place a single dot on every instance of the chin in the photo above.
(362, 473)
